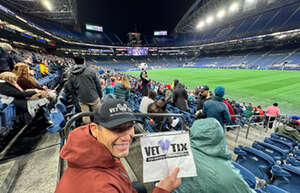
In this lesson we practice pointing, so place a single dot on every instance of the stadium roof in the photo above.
(62, 11)
(122, 17)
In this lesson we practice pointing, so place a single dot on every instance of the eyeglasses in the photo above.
(123, 127)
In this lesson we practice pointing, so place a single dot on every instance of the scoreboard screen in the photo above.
(136, 51)
(94, 28)
(160, 33)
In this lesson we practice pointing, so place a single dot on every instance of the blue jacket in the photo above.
(217, 109)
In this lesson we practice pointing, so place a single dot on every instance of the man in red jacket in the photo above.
(93, 153)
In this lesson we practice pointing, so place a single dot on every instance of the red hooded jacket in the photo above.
(91, 167)
(231, 111)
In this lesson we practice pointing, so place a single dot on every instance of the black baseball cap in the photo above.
(114, 112)
(203, 88)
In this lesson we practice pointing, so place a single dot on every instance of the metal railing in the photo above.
(236, 125)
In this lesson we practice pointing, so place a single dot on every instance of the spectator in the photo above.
(122, 89)
(145, 81)
(169, 94)
(11, 92)
(248, 112)
(93, 154)
(174, 84)
(213, 162)
(271, 113)
(44, 67)
(6, 61)
(146, 101)
(191, 97)
(159, 106)
(216, 108)
(109, 89)
(231, 111)
(260, 111)
(85, 82)
(204, 95)
(180, 97)
(160, 90)
(113, 81)
(25, 80)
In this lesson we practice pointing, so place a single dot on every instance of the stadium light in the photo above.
(47, 4)
(209, 19)
(200, 25)
(221, 13)
(250, 1)
(234, 7)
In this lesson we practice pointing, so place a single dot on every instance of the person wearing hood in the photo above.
(93, 154)
(85, 81)
(213, 162)
(216, 108)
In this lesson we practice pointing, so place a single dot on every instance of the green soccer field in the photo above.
(261, 87)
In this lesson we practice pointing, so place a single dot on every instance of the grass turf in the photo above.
(261, 87)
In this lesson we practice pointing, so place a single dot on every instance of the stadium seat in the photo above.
(255, 161)
(57, 118)
(284, 138)
(247, 175)
(286, 177)
(270, 189)
(279, 143)
(61, 108)
(275, 152)
(293, 161)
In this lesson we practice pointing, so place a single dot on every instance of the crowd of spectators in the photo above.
(19, 74)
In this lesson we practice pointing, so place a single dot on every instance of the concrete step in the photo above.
(38, 170)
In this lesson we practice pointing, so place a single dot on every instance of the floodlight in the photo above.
(234, 7)
(209, 19)
(221, 13)
(47, 4)
(200, 25)
(250, 1)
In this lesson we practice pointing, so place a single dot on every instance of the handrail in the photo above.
(249, 122)
(238, 125)
(83, 114)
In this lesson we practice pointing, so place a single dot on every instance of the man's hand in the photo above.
(170, 182)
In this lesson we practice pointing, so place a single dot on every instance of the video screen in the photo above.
(160, 33)
(137, 51)
(94, 28)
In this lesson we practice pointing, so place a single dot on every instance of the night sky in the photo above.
(123, 16)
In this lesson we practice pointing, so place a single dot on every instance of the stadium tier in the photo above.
(114, 96)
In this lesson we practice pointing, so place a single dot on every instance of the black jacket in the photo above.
(6, 61)
(20, 97)
(180, 98)
(145, 82)
(85, 83)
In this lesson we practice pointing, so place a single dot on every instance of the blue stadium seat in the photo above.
(270, 189)
(293, 161)
(247, 175)
(61, 108)
(284, 138)
(281, 144)
(286, 177)
(275, 152)
(57, 118)
(255, 161)
(9, 114)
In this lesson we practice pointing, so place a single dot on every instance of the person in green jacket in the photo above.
(122, 89)
(215, 172)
